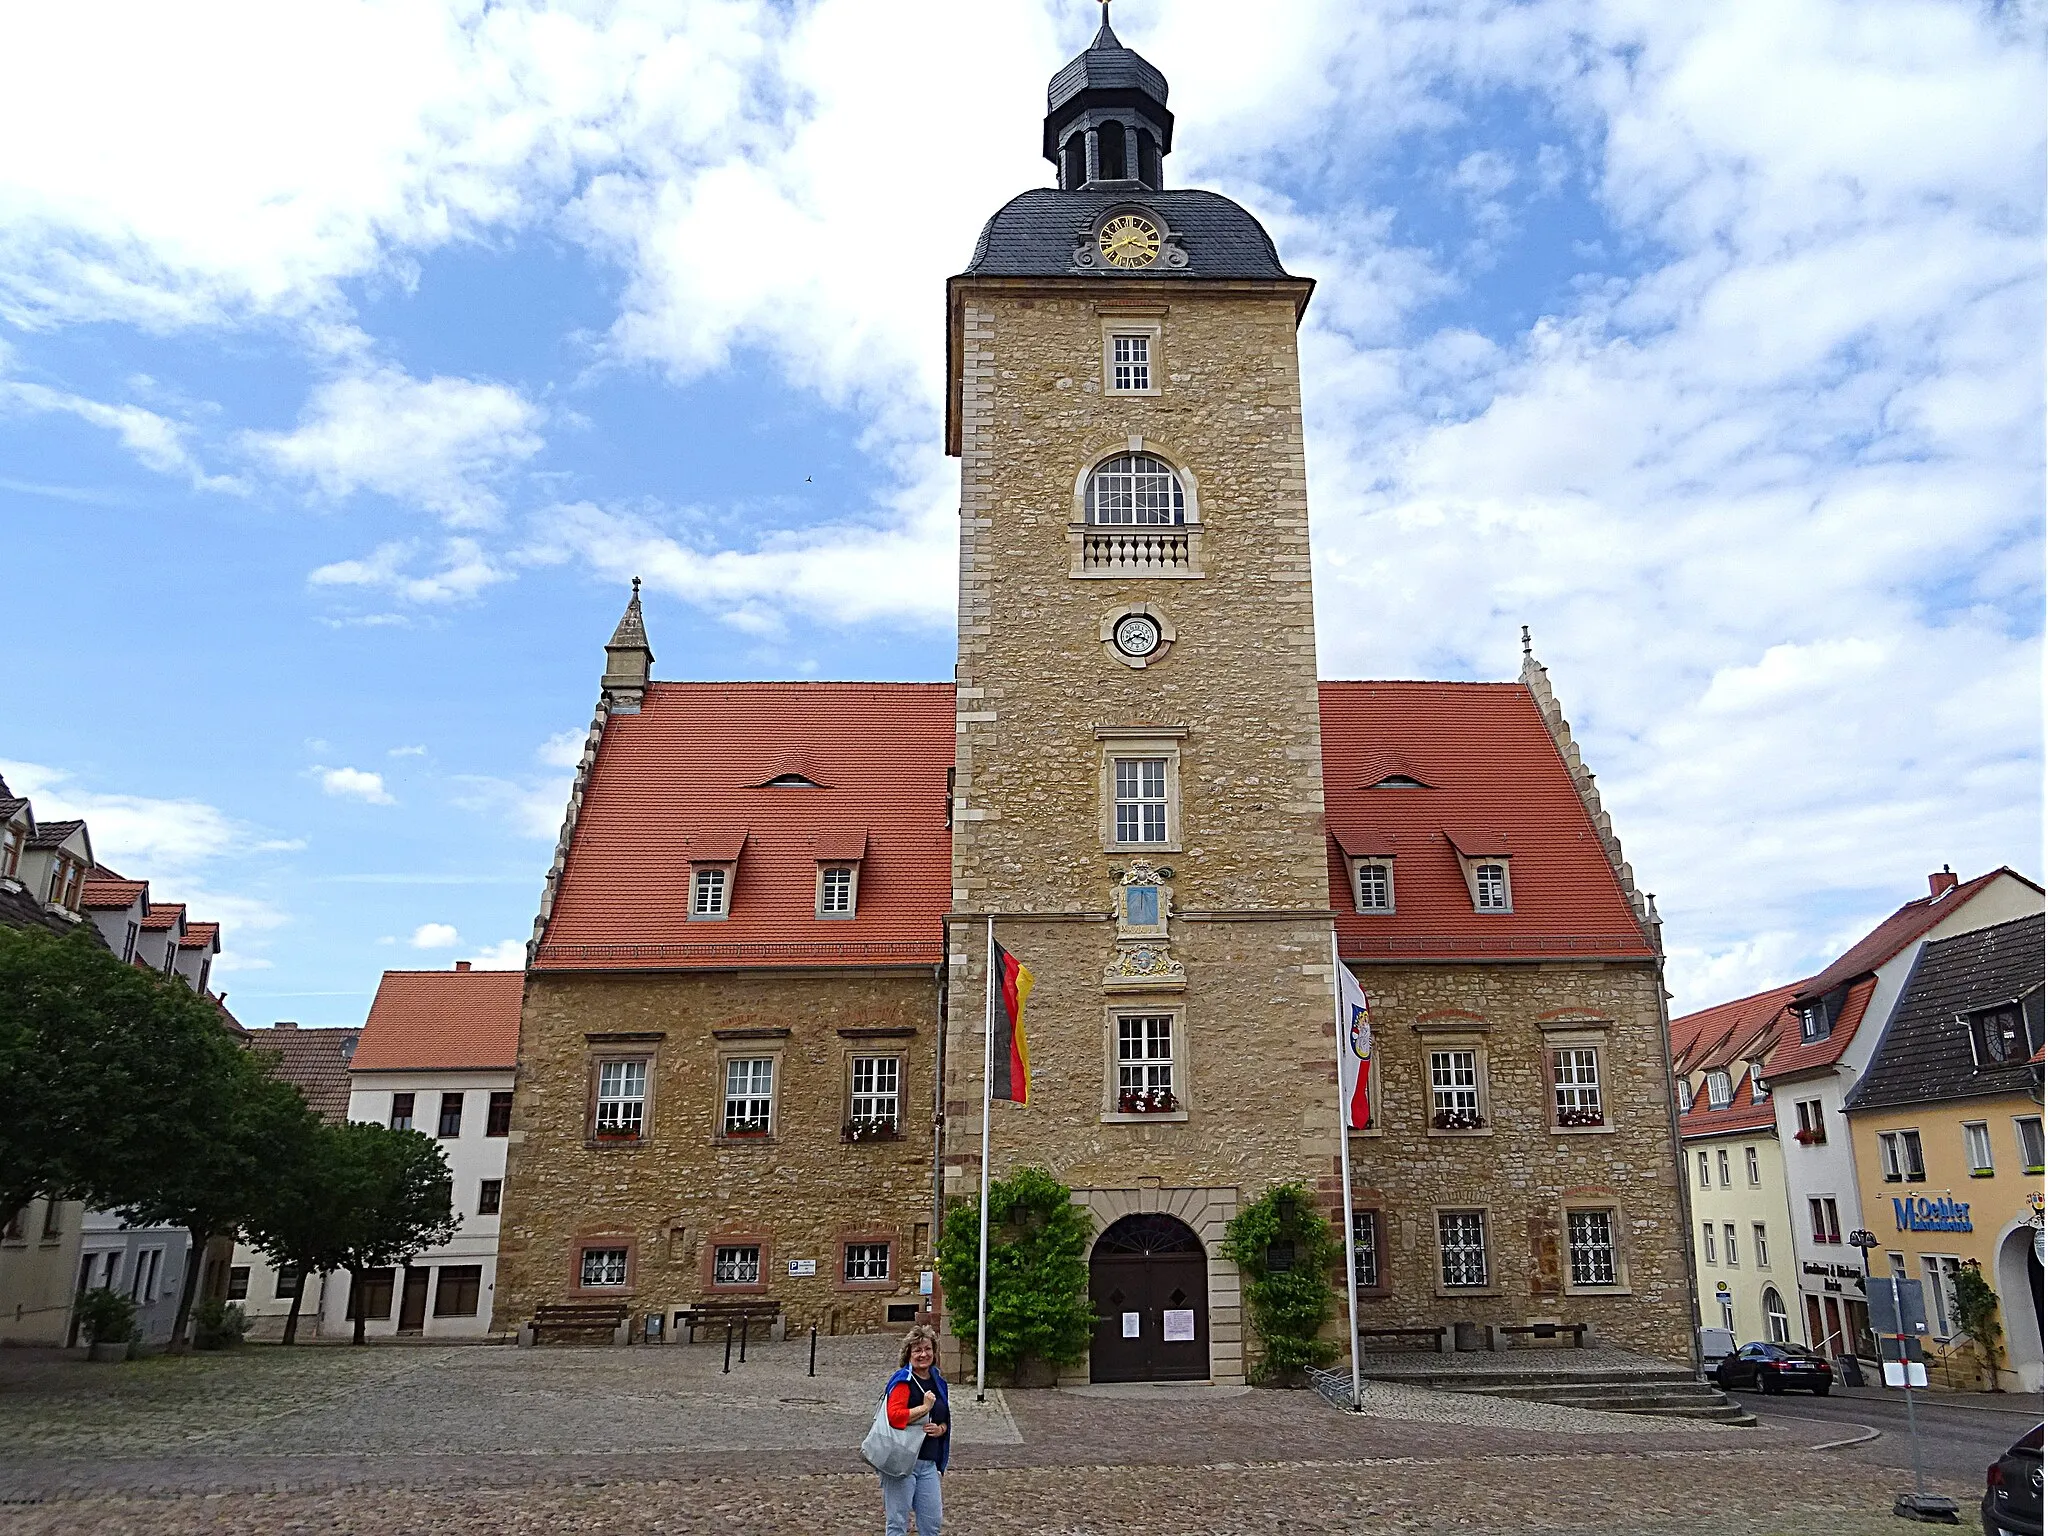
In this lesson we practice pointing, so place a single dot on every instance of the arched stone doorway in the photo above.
(2018, 1283)
(1149, 1282)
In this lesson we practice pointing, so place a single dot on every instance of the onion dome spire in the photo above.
(1106, 123)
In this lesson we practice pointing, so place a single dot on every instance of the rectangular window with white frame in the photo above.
(866, 1264)
(1754, 1168)
(749, 1096)
(876, 1084)
(1374, 890)
(1365, 1249)
(1575, 1086)
(1130, 364)
(1729, 1246)
(710, 892)
(621, 1100)
(836, 887)
(1454, 1090)
(1721, 1166)
(1762, 1240)
(1706, 1179)
(1141, 802)
(1813, 1125)
(1490, 892)
(1938, 1273)
(1707, 1247)
(1461, 1243)
(1720, 1091)
(1914, 1158)
(1590, 1242)
(1144, 1064)
(1977, 1148)
(2027, 1128)
(603, 1269)
(736, 1264)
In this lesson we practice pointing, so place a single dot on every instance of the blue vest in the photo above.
(936, 1448)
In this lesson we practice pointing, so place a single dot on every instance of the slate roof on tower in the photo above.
(1036, 233)
(689, 777)
(1491, 782)
(425, 1021)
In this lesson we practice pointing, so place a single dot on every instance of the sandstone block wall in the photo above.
(673, 1196)
(1522, 1171)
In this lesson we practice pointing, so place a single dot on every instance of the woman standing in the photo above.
(917, 1395)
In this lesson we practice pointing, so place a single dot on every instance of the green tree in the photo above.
(1977, 1314)
(403, 1202)
(302, 1217)
(107, 1072)
(1037, 1270)
(1284, 1249)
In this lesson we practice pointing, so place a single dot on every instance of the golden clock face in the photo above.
(1129, 241)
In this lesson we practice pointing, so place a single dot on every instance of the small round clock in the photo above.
(1137, 635)
(1129, 240)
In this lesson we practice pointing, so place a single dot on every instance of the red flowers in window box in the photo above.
(1806, 1136)
(617, 1133)
(1459, 1120)
(1146, 1101)
(1579, 1114)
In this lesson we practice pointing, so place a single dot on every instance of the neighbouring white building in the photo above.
(1829, 1029)
(316, 1062)
(438, 1054)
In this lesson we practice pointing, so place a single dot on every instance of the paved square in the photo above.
(478, 1439)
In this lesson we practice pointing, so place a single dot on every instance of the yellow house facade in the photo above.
(1947, 1130)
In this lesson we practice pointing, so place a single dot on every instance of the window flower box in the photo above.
(1152, 1101)
(1459, 1120)
(873, 1128)
(1808, 1137)
(616, 1133)
(756, 1127)
(1580, 1115)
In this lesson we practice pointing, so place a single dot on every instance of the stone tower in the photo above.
(1138, 797)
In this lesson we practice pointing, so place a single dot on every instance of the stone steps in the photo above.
(1673, 1395)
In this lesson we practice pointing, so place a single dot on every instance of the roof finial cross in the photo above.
(636, 594)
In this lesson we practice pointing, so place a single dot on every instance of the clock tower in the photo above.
(1138, 797)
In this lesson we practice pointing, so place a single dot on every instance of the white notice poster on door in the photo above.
(1130, 1325)
(1180, 1327)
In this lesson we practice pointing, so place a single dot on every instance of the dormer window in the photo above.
(1483, 854)
(1490, 887)
(10, 849)
(2000, 1035)
(1814, 1023)
(710, 892)
(1374, 885)
(837, 884)
(1720, 1092)
(790, 781)
(1758, 1091)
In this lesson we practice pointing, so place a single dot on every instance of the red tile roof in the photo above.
(1742, 1115)
(1893, 935)
(1499, 786)
(201, 936)
(109, 893)
(164, 914)
(446, 1020)
(1796, 1055)
(1726, 1027)
(686, 775)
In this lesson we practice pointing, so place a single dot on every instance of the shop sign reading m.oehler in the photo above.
(1924, 1215)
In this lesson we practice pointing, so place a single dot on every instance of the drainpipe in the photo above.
(1655, 924)
(939, 1099)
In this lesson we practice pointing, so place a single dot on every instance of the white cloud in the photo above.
(564, 749)
(407, 752)
(435, 936)
(354, 784)
(505, 955)
(439, 444)
(156, 441)
(465, 571)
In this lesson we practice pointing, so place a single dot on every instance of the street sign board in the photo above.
(1896, 1306)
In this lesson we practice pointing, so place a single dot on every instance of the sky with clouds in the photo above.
(354, 354)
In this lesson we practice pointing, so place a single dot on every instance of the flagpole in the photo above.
(988, 1072)
(1344, 1161)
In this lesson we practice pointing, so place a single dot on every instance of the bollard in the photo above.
(745, 1325)
(814, 1349)
(728, 1349)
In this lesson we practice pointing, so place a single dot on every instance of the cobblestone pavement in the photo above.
(472, 1440)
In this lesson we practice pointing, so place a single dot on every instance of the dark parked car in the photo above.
(1774, 1367)
(2012, 1489)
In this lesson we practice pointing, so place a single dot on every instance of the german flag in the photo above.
(1010, 1072)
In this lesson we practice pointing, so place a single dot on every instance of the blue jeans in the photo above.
(918, 1491)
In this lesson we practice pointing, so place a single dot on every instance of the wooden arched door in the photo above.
(1149, 1282)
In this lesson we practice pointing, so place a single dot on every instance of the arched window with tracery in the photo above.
(1136, 489)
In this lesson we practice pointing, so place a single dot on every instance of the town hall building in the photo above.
(751, 1045)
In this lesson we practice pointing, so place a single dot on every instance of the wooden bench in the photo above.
(1502, 1332)
(743, 1314)
(1439, 1338)
(578, 1323)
